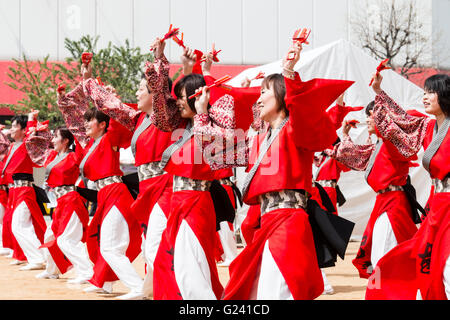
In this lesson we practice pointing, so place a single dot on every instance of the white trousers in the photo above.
(114, 241)
(383, 238)
(228, 241)
(51, 266)
(156, 225)
(191, 267)
(23, 230)
(269, 282)
(74, 249)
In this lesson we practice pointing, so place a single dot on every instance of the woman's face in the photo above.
(267, 104)
(431, 103)
(370, 123)
(183, 106)
(59, 143)
(94, 129)
(144, 98)
(16, 132)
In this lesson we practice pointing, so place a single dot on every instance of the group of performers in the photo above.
(178, 209)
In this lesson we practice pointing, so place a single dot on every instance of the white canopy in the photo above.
(342, 60)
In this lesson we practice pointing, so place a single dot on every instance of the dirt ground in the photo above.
(22, 285)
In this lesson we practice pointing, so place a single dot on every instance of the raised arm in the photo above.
(354, 156)
(405, 131)
(38, 140)
(73, 105)
(307, 103)
(107, 102)
(166, 115)
(214, 130)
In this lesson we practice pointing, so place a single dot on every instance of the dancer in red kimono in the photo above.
(23, 223)
(326, 170)
(184, 266)
(393, 219)
(420, 267)
(4, 145)
(114, 236)
(280, 173)
(65, 238)
(244, 99)
(152, 205)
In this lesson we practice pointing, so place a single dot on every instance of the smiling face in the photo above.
(431, 103)
(267, 104)
(59, 143)
(182, 104)
(16, 131)
(94, 129)
(144, 98)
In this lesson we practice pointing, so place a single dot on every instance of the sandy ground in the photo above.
(22, 285)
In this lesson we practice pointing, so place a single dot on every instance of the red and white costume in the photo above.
(23, 223)
(66, 237)
(184, 266)
(421, 263)
(391, 221)
(4, 145)
(279, 167)
(152, 205)
(114, 236)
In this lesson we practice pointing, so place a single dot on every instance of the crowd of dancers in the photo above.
(178, 209)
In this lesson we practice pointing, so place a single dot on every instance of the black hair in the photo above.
(369, 108)
(440, 84)
(98, 115)
(66, 134)
(21, 120)
(190, 83)
(169, 82)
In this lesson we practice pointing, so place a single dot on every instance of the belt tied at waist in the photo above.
(390, 188)
(441, 185)
(150, 170)
(101, 183)
(284, 199)
(183, 183)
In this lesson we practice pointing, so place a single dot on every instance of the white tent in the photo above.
(342, 60)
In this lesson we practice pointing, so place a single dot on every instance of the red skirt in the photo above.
(398, 210)
(419, 262)
(291, 243)
(4, 198)
(197, 209)
(115, 194)
(16, 197)
(251, 223)
(152, 191)
(66, 206)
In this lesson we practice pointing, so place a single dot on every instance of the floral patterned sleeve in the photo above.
(222, 145)
(406, 132)
(38, 145)
(4, 144)
(166, 115)
(73, 105)
(110, 104)
(350, 154)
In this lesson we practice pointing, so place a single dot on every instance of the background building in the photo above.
(248, 32)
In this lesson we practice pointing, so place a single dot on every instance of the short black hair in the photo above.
(369, 108)
(98, 115)
(440, 84)
(190, 83)
(21, 120)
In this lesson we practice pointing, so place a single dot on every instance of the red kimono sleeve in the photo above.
(244, 99)
(308, 124)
